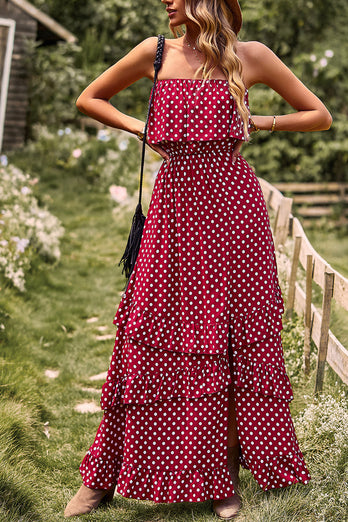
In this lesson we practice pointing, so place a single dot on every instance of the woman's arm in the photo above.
(261, 65)
(94, 100)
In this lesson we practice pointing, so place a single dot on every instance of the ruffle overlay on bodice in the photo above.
(194, 110)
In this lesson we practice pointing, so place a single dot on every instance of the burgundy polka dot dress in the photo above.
(202, 310)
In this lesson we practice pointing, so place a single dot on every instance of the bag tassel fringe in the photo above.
(133, 245)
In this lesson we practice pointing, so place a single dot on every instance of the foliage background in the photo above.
(310, 36)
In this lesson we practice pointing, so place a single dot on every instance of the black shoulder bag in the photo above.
(134, 239)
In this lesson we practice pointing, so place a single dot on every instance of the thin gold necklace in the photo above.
(196, 51)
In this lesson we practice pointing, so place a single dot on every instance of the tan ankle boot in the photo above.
(86, 500)
(228, 508)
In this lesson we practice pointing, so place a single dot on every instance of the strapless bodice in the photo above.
(194, 110)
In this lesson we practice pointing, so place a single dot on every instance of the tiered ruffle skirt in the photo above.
(202, 311)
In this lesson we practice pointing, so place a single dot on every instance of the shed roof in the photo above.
(45, 20)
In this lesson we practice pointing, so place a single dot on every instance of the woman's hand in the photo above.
(160, 150)
(261, 65)
(95, 99)
(236, 151)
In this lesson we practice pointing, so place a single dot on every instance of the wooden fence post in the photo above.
(268, 202)
(308, 314)
(324, 331)
(281, 225)
(291, 225)
(292, 280)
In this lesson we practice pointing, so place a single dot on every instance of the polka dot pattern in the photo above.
(144, 375)
(202, 310)
(194, 110)
(268, 441)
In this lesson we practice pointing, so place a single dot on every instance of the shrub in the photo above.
(322, 431)
(109, 157)
(26, 228)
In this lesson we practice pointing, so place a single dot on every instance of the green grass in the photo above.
(46, 328)
(332, 245)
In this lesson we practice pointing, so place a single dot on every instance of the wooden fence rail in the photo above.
(332, 283)
(316, 200)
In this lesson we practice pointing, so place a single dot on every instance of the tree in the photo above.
(106, 31)
(310, 37)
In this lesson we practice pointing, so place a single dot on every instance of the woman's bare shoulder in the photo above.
(148, 46)
(151, 42)
(256, 60)
(252, 50)
(141, 57)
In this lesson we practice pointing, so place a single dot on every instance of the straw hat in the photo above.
(237, 15)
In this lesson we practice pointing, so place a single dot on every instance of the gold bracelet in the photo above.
(253, 125)
(273, 124)
(140, 134)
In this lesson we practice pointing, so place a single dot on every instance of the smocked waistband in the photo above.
(199, 147)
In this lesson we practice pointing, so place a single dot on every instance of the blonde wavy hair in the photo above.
(217, 42)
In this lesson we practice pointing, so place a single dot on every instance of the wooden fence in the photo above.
(332, 283)
(313, 201)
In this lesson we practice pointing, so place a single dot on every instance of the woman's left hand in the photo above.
(236, 151)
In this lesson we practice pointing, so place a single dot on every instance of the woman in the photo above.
(197, 383)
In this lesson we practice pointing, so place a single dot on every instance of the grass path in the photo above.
(47, 329)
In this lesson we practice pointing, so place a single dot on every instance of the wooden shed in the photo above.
(20, 21)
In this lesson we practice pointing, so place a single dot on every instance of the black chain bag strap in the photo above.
(134, 239)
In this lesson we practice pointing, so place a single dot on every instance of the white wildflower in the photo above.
(3, 160)
(118, 194)
(103, 135)
(22, 245)
(313, 57)
(123, 145)
(323, 424)
(76, 153)
(323, 62)
(329, 53)
(25, 191)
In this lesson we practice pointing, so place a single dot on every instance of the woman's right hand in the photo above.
(95, 99)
